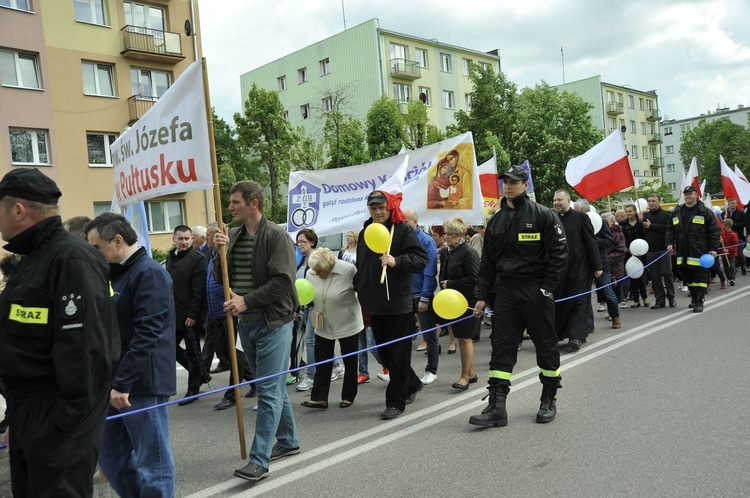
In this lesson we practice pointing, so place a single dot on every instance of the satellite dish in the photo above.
(423, 97)
(188, 28)
(623, 128)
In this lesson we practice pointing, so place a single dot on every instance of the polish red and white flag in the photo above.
(740, 174)
(602, 170)
(693, 178)
(733, 185)
(488, 179)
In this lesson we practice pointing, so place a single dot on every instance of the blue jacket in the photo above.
(214, 297)
(145, 313)
(425, 282)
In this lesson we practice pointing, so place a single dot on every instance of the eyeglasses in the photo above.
(303, 242)
(99, 247)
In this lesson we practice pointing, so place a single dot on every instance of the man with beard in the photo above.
(583, 264)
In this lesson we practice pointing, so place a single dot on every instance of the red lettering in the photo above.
(190, 176)
(166, 175)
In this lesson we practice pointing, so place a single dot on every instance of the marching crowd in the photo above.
(532, 266)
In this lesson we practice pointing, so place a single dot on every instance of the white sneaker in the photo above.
(385, 377)
(607, 317)
(428, 378)
(337, 372)
(305, 385)
(601, 308)
(684, 288)
(624, 304)
(255, 408)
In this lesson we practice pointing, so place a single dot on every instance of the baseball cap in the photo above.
(376, 197)
(514, 173)
(30, 184)
(689, 189)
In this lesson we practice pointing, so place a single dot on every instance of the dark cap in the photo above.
(689, 189)
(376, 197)
(30, 184)
(515, 173)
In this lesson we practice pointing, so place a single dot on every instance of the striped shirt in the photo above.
(242, 270)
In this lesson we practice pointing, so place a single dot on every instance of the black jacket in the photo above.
(583, 254)
(188, 272)
(522, 245)
(738, 219)
(632, 232)
(656, 233)
(410, 258)
(695, 231)
(460, 267)
(57, 323)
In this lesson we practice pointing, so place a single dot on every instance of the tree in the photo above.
(648, 187)
(416, 122)
(270, 140)
(551, 128)
(308, 153)
(227, 178)
(232, 160)
(707, 140)
(385, 129)
(345, 140)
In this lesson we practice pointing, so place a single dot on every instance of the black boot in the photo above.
(548, 406)
(692, 298)
(698, 306)
(495, 413)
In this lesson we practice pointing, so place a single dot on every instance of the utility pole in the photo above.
(343, 13)
(562, 57)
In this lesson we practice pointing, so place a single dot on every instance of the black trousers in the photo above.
(216, 342)
(396, 357)
(45, 461)
(517, 308)
(189, 357)
(696, 278)
(661, 269)
(324, 350)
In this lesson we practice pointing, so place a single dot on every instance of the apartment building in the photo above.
(634, 112)
(673, 129)
(369, 62)
(73, 75)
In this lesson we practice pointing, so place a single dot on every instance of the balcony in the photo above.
(653, 115)
(405, 69)
(138, 105)
(614, 108)
(656, 163)
(403, 107)
(151, 44)
(654, 138)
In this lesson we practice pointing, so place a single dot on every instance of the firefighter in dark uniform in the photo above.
(59, 335)
(525, 247)
(695, 232)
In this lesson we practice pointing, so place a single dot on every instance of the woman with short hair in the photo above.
(335, 316)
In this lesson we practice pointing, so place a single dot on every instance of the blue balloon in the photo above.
(707, 261)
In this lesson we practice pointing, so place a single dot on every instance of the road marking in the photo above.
(568, 361)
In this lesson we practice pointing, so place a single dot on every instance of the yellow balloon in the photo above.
(305, 291)
(377, 238)
(450, 304)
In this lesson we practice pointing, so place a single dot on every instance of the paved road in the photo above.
(658, 408)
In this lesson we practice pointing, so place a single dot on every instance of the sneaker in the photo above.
(724, 284)
(574, 344)
(624, 304)
(251, 472)
(602, 307)
(290, 379)
(684, 288)
(385, 376)
(305, 385)
(363, 379)
(731, 282)
(279, 451)
(428, 378)
(607, 317)
(337, 372)
(422, 346)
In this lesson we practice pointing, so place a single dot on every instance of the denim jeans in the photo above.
(135, 454)
(309, 343)
(613, 307)
(366, 340)
(427, 323)
(267, 353)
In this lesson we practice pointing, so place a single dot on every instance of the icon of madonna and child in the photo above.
(450, 182)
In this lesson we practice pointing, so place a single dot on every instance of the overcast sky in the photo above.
(694, 53)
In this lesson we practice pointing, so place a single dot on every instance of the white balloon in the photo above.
(634, 267)
(639, 247)
(596, 220)
(592, 208)
(717, 210)
(642, 205)
(746, 251)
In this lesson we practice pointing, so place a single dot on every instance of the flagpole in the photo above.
(390, 242)
(223, 259)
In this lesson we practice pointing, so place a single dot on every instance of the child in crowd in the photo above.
(730, 242)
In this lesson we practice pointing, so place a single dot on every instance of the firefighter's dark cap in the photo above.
(689, 189)
(376, 197)
(30, 184)
(515, 173)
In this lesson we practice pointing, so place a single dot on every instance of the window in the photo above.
(668, 130)
(649, 105)
(421, 57)
(643, 128)
(302, 75)
(685, 128)
(426, 92)
(98, 146)
(636, 172)
(19, 69)
(640, 104)
(401, 93)
(672, 185)
(631, 102)
(652, 152)
(445, 63)
(670, 167)
(327, 104)
(448, 100)
(632, 126)
(619, 98)
(622, 124)
(467, 99)
(304, 110)
(612, 124)
(610, 96)
(325, 66)
(286, 115)
(98, 79)
(644, 150)
(102, 207)
(90, 11)
(144, 16)
(28, 146)
(281, 81)
(466, 66)
(634, 152)
(16, 4)
(164, 216)
(399, 51)
(669, 149)
(484, 65)
(147, 83)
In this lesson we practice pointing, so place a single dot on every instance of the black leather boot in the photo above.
(698, 304)
(494, 414)
(692, 298)
(548, 406)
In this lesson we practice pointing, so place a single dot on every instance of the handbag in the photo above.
(318, 321)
